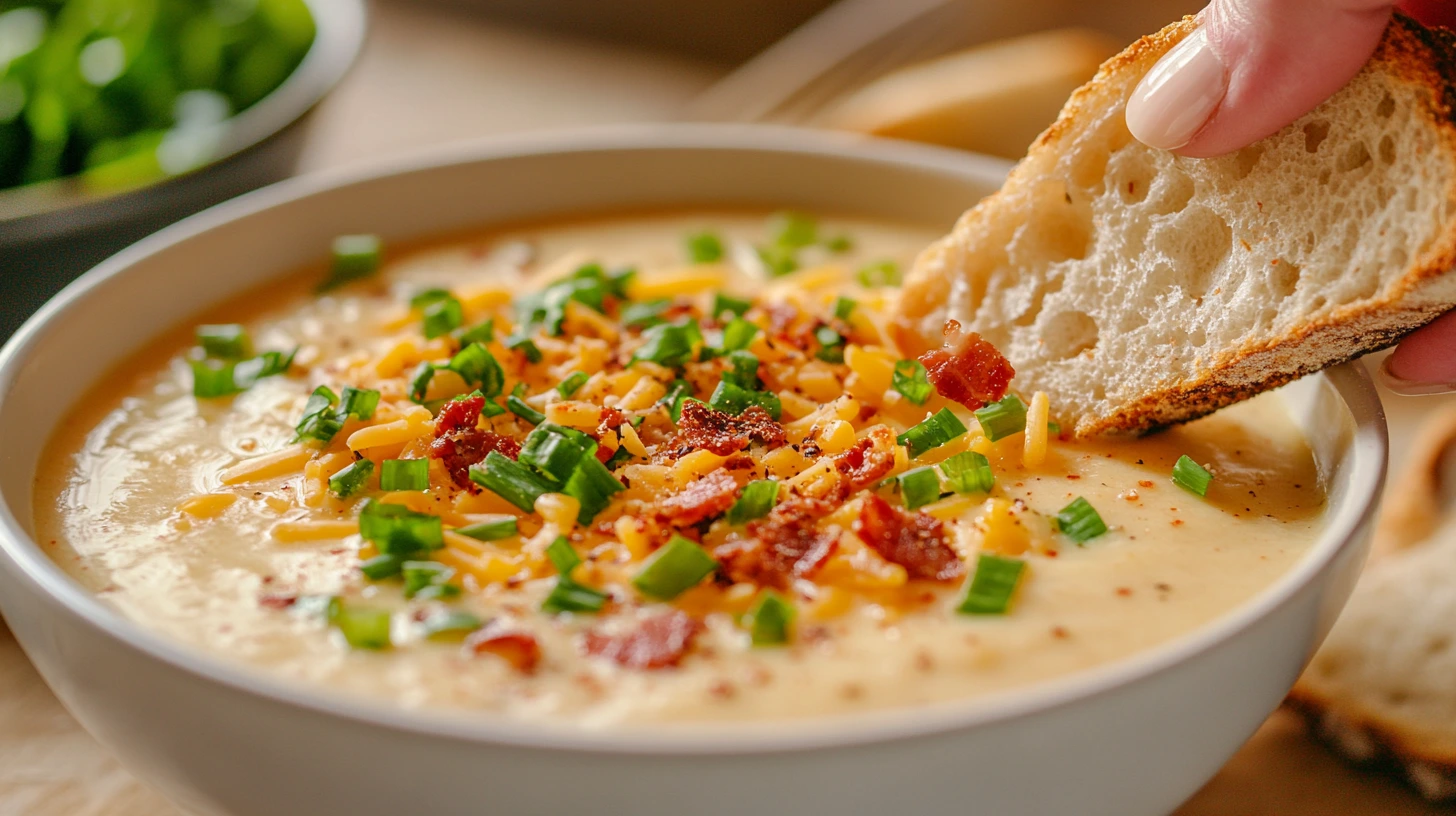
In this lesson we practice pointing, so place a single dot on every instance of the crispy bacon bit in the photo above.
(868, 461)
(968, 369)
(276, 601)
(610, 420)
(459, 415)
(514, 646)
(914, 540)
(787, 544)
(658, 642)
(461, 449)
(702, 428)
(701, 500)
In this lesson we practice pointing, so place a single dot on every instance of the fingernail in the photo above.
(1410, 388)
(1176, 98)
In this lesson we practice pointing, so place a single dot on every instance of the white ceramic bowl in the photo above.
(1135, 737)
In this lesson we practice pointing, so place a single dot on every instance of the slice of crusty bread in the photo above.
(1139, 288)
(1383, 685)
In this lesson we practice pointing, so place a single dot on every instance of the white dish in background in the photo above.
(1134, 737)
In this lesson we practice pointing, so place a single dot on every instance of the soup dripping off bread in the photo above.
(1139, 288)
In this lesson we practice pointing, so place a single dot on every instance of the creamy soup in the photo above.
(660, 468)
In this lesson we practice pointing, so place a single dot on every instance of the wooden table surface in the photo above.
(430, 77)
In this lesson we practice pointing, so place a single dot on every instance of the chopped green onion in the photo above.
(355, 257)
(738, 334)
(968, 472)
(1053, 428)
(734, 400)
(428, 580)
(793, 230)
(442, 317)
(404, 474)
(319, 423)
(451, 623)
(676, 567)
(879, 273)
(420, 380)
(593, 486)
(351, 479)
(556, 452)
(844, 307)
(839, 243)
(268, 364)
(1080, 521)
(770, 620)
(226, 342)
(831, 345)
(726, 303)
(382, 566)
(742, 369)
(991, 589)
(645, 314)
(394, 529)
(509, 479)
(491, 408)
(778, 261)
(362, 628)
(426, 297)
(520, 391)
(562, 556)
(359, 403)
(910, 380)
(490, 530)
(1002, 419)
(569, 596)
(518, 406)
(211, 379)
(935, 431)
(919, 487)
(677, 391)
(482, 333)
(755, 501)
(704, 247)
(618, 456)
(478, 367)
(1190, 476)
(523, 344)
(667, 344)
(572, 384)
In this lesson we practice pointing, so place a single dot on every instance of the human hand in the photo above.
(1254, 66)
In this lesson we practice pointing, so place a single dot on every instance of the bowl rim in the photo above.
(30, 564)
(339, 29)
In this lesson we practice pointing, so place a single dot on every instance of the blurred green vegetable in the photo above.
(125, 91)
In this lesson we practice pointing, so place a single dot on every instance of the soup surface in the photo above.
(504, 475)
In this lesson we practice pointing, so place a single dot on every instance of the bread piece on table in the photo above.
(1139, 288)
(992, 98)
(1383, 685)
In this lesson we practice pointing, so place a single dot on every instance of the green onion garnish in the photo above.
(428, 580)
(268, 364)
(555, 452)
(968, 472)
(910, 380)
(667, 344)
(355, 257)
(394, 529)
(742, 369)
(733, 399)
(793, 230)
(1002, 419)
(676, 567)
(478, 367)
(738, 334)
(1053, 428)
(382, 566)
(563, 556)
(225, 342)
(442, 317)
(839, 243)
(426, 297)
(518, 406)
(844, 307)
(593, 485)
(1191, 476)
(1080, 521)
(935, 431)
(704, 247)
(770, 620)
(568, 595)
(879, 273)
(831, 345)
(490, 530)
(991, 589)
(572, 384)
(725, 303)
(919, 487)
(778, 260)
(482, 333)
(212, 379)
(525, 345)
(450, 624)
(509, 479)
(404, 474)
(520, 391)
(319, 423)
(755, 501)
(362, 628)
(645, 314)
(677, 391)
(359, 403)
(420, 380)
(351, 479)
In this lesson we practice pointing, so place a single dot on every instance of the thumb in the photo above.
(1250, 68)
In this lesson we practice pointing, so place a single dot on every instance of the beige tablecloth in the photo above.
(430, 77)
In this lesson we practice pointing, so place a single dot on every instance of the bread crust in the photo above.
(1409, 52)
